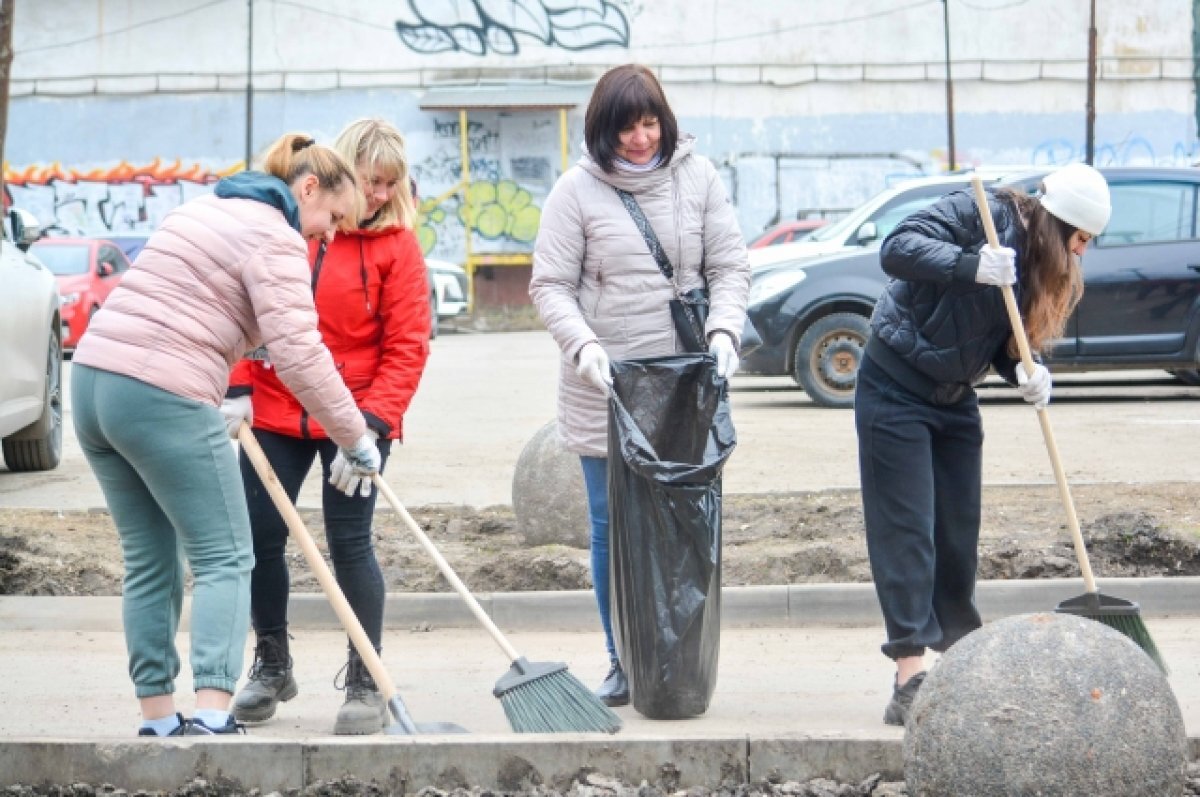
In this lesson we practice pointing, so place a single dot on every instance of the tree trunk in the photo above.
(6, 57)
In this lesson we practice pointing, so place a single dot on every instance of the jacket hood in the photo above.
(262, 187)
(639, 181)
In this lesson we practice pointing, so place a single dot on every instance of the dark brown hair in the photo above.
(1051, 279)
(622, 96)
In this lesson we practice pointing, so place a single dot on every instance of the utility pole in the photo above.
(949, 85)
(249, 81)
(1090, 134)
(6, 57)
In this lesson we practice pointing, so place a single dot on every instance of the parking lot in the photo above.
(485, 395)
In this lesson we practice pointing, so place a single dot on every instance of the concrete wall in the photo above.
(122, 109)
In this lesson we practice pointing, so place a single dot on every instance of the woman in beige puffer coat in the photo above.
(602, 295)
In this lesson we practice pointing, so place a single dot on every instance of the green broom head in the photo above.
(1119, 615)
(542, 697)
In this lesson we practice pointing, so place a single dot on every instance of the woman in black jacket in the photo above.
(937, 329)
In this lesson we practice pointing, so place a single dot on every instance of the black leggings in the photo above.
(921, 470)
(347, 531)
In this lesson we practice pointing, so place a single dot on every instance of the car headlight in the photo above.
(68, 298)
(774, 284)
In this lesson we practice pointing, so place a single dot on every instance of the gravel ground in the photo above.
(589, 785)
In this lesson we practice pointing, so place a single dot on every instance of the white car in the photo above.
(448, 292)
(31, 400)
(867, 225)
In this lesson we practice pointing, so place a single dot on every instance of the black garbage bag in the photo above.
(669, 434)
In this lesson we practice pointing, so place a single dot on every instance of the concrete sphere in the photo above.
(1045, 704)
(548, 496)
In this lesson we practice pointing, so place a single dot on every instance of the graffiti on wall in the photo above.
(510, 176)
(125, 198)
(1132, 151)
(482, 27)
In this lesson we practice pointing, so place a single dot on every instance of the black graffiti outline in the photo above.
(583, 26)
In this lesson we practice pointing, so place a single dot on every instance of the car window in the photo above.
(887, 221)
(1150, 212)
(111, 256)
(64, 259)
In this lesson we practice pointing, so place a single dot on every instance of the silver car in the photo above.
(31, 399)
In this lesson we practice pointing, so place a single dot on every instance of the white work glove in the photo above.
(997, 266)
(593, 367)
(235, 411)
(1035, 387)
(351, 469)
(722, 347)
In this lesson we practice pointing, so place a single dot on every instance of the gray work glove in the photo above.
(722, 347)
(593, 367)
(352, 468)
(235, 411)
(997, 266)
(1035, 387)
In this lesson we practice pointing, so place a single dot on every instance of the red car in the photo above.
(87, 269)
(786, 232)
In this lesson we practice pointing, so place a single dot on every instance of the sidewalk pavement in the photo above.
(801, 689)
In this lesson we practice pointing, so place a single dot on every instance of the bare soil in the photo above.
(1131, 530)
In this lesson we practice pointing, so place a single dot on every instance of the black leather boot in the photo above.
(271, 680)
(615, 689)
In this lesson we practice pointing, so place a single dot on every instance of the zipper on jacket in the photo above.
(317, 265)
(362, 272)
(304, 430)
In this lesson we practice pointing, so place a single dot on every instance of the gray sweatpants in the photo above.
(172, 483)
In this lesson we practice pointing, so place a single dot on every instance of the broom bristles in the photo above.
(557, 703)
(1133, 627)
(1118, 614)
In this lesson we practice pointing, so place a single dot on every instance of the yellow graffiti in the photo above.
(494, 210)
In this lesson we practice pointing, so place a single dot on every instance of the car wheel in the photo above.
(433, 316)
(39, 445)
(827, 358)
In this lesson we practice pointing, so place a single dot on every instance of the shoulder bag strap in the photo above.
(643, 225)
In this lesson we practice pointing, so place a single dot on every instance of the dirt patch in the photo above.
(1132, 530)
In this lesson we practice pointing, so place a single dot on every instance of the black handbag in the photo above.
(689, 310)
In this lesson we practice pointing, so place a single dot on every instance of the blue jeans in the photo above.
(170, 479)
(595, 479)
(347, 531)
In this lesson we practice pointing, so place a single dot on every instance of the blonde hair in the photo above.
(294, 155)
(377, 145)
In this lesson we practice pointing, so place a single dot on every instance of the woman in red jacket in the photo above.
(372, 297)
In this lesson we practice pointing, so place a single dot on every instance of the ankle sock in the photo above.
(211, 717)
(164, 725)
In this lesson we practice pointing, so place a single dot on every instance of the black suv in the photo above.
(1140, 307)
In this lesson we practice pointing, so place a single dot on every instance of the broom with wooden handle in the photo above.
(537, 697)
(1117, 613)
(358, 637)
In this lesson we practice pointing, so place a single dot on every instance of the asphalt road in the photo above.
(484, 396)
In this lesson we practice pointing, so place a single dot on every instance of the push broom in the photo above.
(358, 636)
(537, 697)
(1116, 613)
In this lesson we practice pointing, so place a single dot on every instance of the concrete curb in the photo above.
(404, 765)
(799, 605)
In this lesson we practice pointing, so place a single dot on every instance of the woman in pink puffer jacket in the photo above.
(224, 274)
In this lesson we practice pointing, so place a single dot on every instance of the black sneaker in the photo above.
(615, 689)
(180, 729)
(196, 727)
(900, 705)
